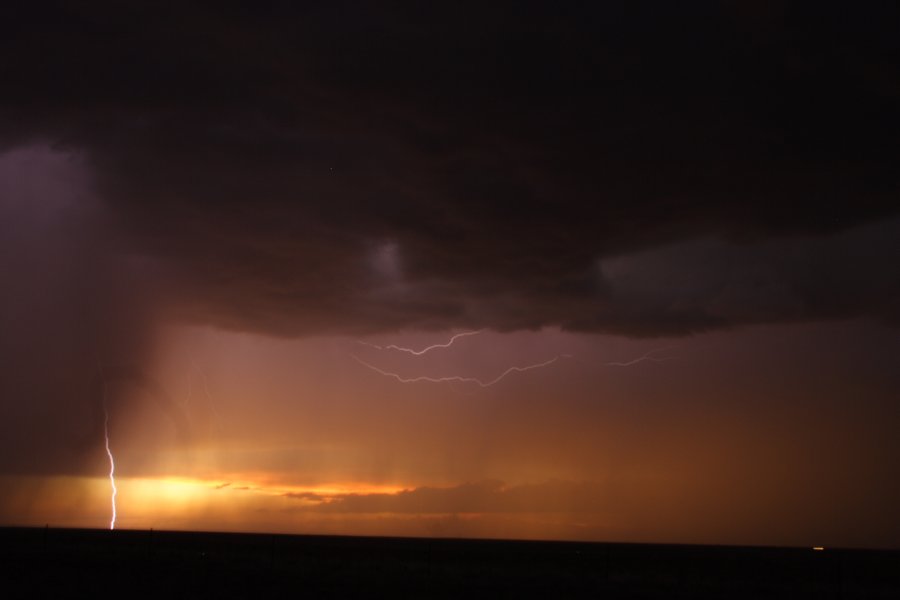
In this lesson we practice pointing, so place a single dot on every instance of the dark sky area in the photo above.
(208, 191)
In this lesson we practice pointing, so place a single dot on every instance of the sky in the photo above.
(609, 271)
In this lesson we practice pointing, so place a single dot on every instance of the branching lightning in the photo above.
(112, 463)
(423, 350)
(458, 378)
(649, 356)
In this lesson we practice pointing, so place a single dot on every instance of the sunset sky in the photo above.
(616, 271)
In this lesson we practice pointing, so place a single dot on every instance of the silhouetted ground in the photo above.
(67, 563)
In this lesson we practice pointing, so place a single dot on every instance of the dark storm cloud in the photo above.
(704, 284)
(341, 168)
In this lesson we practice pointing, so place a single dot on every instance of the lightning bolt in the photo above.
(112, 463)
(209, 398)
(125, 373)
(193, 369)
(423, 350)
(649, 356)
(459, 378)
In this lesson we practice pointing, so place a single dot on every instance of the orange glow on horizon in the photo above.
(169, 502)
(183, 490)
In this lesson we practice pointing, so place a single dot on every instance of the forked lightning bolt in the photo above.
(423, 350)
(650, 356)
(458, 378)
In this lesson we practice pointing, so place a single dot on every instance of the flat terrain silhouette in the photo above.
(47, 562)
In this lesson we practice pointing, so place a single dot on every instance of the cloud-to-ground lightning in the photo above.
(423, 350)
(649, 356)
(106, 376)
(112, 464)
(457, 378)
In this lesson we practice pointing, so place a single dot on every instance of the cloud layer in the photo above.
(303, 170)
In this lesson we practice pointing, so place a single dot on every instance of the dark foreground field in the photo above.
(66, 563)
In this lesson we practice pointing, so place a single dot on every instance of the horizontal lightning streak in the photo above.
(423, 350)
(649, 356)
(457, 378)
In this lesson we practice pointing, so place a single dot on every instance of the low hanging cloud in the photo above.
(489, 496)
(710, 283)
